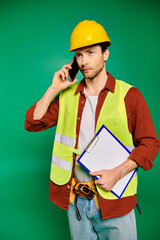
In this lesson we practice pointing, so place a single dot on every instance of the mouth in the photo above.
(86, 69)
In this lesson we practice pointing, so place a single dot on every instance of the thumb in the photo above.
(74, 81)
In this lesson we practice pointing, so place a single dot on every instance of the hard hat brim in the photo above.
(73, 48)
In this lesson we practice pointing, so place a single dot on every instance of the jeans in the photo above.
(91, 226)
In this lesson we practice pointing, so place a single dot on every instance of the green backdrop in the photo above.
(34, 43)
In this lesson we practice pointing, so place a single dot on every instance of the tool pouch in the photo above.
(83, 190)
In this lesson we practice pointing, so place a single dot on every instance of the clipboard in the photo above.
(105, 151)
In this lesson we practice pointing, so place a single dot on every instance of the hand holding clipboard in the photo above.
(105, 151)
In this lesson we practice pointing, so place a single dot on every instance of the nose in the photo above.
(84, 60)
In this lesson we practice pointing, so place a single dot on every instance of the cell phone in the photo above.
(74, 70)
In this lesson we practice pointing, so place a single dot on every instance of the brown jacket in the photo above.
(140, 126)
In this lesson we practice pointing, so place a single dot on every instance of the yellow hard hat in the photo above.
(87, 33)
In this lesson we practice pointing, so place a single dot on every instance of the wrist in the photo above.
(53, 90)
(119, 172)
(122, 171)
(126, 167)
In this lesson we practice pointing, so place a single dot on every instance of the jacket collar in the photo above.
(110, 84)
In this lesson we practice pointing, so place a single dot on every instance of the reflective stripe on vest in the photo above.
(68, 141)
(113, 116)
(59, 162)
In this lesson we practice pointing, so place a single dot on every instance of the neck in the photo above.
(95, 85)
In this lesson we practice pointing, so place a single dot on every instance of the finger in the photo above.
(67, 66)
(99, 182)
(65, 72)
(62, 75)
(96, 173)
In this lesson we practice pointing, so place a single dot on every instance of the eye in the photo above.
(90, 52)
(78, 55)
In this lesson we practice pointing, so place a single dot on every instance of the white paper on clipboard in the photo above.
(105, 151)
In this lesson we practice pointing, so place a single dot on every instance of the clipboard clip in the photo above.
(92, 144)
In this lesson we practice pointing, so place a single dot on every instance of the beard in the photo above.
(91, 74)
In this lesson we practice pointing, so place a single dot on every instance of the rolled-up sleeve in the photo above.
(142, 129)
(48, 120)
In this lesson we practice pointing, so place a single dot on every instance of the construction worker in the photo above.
(79, 110)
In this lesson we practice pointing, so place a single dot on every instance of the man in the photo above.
(79, 110)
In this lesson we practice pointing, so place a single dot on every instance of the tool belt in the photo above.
(84, 191)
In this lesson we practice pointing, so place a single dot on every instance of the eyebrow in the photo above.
(90, 49)
(87, 50)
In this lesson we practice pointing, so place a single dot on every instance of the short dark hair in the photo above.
(103, 46)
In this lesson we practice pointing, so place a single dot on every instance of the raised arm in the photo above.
(44, 113)
(59, 83)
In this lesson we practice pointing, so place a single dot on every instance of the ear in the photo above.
(106, 55)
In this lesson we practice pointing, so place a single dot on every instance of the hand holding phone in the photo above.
(74, 70)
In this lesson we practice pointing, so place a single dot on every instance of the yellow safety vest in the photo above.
(112, 115)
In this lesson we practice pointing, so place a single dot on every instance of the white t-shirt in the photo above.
(87, 132)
